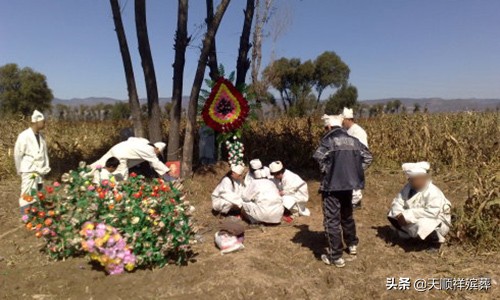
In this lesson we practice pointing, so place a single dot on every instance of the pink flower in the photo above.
(25, 218)
(105, 182)
(91, 188)
(57, 184)
(98, 167)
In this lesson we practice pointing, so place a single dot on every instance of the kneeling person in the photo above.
(421, 210)
(292, 188)
(262, 201)
(227, 195)
(106, 173)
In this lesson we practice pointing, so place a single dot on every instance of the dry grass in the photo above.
(461, 146)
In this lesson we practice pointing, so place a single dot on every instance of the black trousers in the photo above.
(431, 238)
(338, 221)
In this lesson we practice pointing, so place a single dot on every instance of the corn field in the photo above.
(463, 143)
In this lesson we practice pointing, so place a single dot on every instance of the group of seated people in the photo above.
(264, 195)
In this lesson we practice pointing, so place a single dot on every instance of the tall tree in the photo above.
(262, 13)
(243, 63)
(187, 153)
(181, 42)
(330, 71)
(213, 65)
(346, 96)
(133, 99)
(23, 90)
(154, 111)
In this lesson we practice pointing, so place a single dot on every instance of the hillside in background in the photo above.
(432, 104)
(443, 105)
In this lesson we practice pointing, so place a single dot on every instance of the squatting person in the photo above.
(421, 210)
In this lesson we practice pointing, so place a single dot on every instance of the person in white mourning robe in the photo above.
(353, 129)
(131, 153)
(227, 195)
(106, 173)
(31, 159)
(421, 210)
(292, 188)
(255, 164)
(262, 202)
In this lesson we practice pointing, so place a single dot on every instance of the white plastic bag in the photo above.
(228, 243)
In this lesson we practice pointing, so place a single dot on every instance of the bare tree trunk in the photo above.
(154, 111)
(243, 63)
(213, 65)
(181, 42)
(262, 12)
(133, 99)
(187, 153)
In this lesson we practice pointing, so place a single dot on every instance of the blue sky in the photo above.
(395, 48)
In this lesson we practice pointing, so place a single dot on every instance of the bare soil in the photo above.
(280, 262)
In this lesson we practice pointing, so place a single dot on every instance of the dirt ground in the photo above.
(279, 262)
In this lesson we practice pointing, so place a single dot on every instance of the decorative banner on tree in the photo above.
(226, 109)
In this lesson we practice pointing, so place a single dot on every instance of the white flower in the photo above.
(82, 164)
(135, 220)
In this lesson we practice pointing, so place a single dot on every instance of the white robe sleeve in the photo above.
(397, 205)
(19, 150)
(226, 192)
(147, 153)
(432, 209)
(292, 184)
(249, 193)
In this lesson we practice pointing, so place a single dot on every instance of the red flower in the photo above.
(49, 189)
(40, 196)
(133, 174)
(172, 200)
(41, 214)
(102, 195)
(137, 195)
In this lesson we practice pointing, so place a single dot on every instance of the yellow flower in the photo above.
(105, 237)
(94, 256)
(129, 267)
(99, 242)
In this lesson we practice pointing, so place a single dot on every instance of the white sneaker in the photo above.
(339, 263)
(353, 250)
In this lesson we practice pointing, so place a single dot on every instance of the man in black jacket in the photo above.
(342, 159)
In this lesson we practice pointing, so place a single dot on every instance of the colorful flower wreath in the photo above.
(226, 109)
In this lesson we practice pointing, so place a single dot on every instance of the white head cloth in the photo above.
(255, 164)
(416, 169)
(348, 113)
(332, 121)
(37, 117)
(238, 169)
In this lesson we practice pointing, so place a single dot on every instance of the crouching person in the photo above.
(227, 195)
(421, 210)
(262, 202)
(292, 188)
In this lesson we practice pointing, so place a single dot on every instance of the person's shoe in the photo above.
(339, 263)
(353, 250)
(434, 248)
(357, 205)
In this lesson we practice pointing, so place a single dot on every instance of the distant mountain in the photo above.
(433, 104)
(91, 101)
(443, 105)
